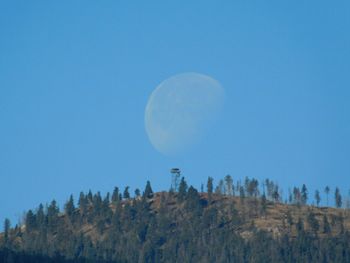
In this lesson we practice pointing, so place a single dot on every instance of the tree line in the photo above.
(179, 225)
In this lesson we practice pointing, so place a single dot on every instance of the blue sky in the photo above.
(75, 78)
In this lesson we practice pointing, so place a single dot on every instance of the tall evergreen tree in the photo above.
(7, 226)
(115, 195)
(317, 197)
(30, 221)
(304, 194)
(210, 188)
(192, 199)
(263, 204)
(89, 197)
(241, 194)
(182, 190)
(276, 194)
(82, 203)
(148, 193)
(52, 215)
(137, 193)
(327, 190)
(40, 216)
(69, 207)
(220, 188)
(297, 195)
(228, 185)
(126, 194)
(338, 198)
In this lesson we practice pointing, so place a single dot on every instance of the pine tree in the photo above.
(276, 194)
(40, 217)
(126, 194)
(290, 196)
(30, 221)
(106, 210)
(69, 207)
(304, 194)
(241, 194)
(192, 199)
(148, 193)
(228, 185)
(7, 226)
(317, 197)
(327, 190)
(297, 195)
(210, 188)
(220, 189)
(115, 195)
(338, 198)
(182, 190)
(263, 203)
(82, 203)
(137, 193)
(52, 215)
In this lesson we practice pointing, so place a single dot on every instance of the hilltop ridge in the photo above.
(180, 226)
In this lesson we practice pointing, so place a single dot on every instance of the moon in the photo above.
(181, 110)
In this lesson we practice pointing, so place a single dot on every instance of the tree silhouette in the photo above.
(338, 198)
(317, 197)
(148, 193)
(182, 190)
(304, 194)
(210, 188)
(126, 194)
(327, 190)
(7, 226)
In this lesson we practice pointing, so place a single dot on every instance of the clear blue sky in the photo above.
(75, 77)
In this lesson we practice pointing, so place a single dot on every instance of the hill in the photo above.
(179, 226)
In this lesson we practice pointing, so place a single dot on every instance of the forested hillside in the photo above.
(232, 222)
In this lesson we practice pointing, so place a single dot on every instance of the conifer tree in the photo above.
(40, 216)
(82, 203)
(241, 194)
(304, 194)
(115, 195)
(338, 198)
(317, 197)
(137, 193)
(210, 188)
(228, 185)
(327, 190)
(148, 193)
(30, 221)
(220, 188)
(52, 215)
(192, 199)
(126, 194)
(7, 226)
(276, 194)
(69, 206)
(182, 190)
(263, 203)
(297, 195)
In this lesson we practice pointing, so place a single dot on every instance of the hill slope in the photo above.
(180, 227)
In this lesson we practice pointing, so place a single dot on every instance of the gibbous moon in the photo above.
(180, 111)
